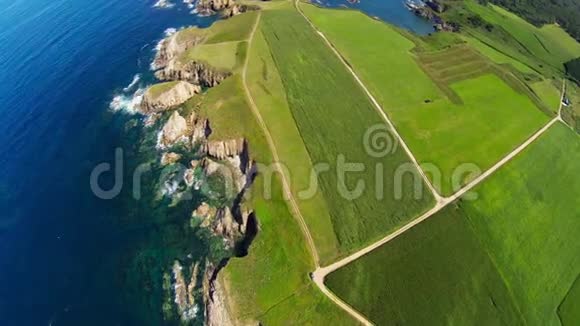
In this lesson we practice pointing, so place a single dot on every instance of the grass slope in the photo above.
(438, 271)
(237, 28)
(497, 56)
(548, 92)
(225, 55)
(270, 97)
(479, 121)
(156, 90)
(550, 44)
(333, 115)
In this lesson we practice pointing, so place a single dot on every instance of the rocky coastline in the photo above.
(193, 165)
(431, 10)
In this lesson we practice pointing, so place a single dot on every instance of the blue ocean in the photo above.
(68, 71)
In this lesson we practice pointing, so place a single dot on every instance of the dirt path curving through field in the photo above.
(285, 184)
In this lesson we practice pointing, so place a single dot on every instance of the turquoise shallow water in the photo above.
(67, 257)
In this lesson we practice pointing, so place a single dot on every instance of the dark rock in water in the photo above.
(436, 6)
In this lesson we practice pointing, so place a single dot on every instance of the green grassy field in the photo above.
(333, 115)
(571, 113)
(569, 310)
(225, 55)
(532, 232)
(237, 28)
(160, 88)
(497, 56)
(435, 274)
(464, 113)
(272, 280)
(549, 44)
(466, 264)
(270, 97)
(548, 92)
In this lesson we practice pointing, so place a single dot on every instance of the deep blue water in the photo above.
(392, 11)
(61, 63)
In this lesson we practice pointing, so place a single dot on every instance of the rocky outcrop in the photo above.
(436, 6)
(194, 72)
(184, 292)
(170, 64)
(162, 97)
(226, 8)
(173, 46)
(430, 11)
(216, 312)
(169, 158)
(174, 130)
(200, 129)
(227, 148)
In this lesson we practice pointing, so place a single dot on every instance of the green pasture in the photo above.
(332, 115)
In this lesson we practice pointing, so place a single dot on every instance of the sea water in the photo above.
(392, 11)
(69, 73)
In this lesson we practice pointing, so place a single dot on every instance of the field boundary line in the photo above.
(285, 184)
(320, 273)
(376, 106)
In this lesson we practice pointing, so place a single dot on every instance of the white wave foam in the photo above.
(127, 103)
(163, 4)
(133, 83)
(169, 31)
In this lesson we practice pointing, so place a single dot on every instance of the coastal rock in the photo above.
(170, 64)
(184, 299)
(189, 177)
(169, 158)
(162, 97)
(436, 6)
(223, 149)
(225, 226)
(194, 72)
(216, 312)
(174, 129)
(173, 46)
(205, 213)
(201, 131)
(210, 166)
(227, 8)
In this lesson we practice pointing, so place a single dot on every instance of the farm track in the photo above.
(285, 184)
(320, 273)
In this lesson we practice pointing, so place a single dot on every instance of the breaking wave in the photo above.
(163, 4)
(128, 103)
(133, 83)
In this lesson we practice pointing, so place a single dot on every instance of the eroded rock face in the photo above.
(184, 292)
(175, 129)
(169, 158)
(194, 72)
(216, 312)
(223, 149)
(173, 46)
(170, 65)
(170, 98)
